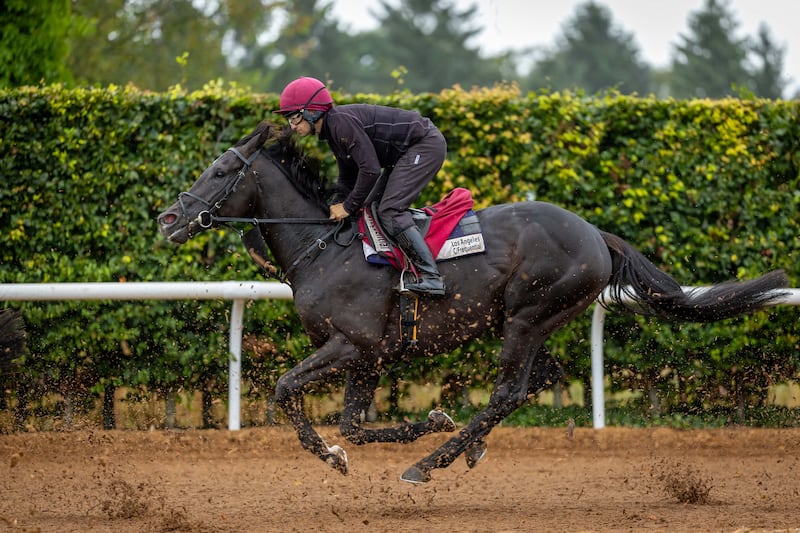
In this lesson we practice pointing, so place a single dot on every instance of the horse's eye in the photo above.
(219, 174)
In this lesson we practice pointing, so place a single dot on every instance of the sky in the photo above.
(655, 24)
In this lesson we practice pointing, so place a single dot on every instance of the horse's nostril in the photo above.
(169, 219)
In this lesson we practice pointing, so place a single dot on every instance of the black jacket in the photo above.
(365, 139)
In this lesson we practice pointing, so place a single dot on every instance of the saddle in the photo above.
(450, 228)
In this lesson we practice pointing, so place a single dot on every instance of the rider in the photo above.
(365, 139)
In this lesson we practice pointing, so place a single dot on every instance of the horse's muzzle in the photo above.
(169, 225)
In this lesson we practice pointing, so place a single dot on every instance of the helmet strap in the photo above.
(312, 117)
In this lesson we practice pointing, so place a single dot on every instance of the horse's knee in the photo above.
(518, 399)
(284, 392)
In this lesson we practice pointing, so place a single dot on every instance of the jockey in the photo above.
(365, 140)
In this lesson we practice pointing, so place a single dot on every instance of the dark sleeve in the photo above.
(345, 183)
(355, 153)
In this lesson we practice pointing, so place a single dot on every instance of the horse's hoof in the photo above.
(337, 458)
(440, 421)
(415, 475)
(474, 453)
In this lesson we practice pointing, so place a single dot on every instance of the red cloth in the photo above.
(445, 216)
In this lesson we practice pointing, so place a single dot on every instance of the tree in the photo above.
(710, 61)
(33, 43)
(309, 43)
(420, 45)
(155, 44)
(593, 55)
(263, 44)
(427, 42)
(767, 73)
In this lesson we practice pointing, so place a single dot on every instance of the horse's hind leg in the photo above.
(510, 392)
(524, 332)
(546, 371)
(359, 393)
(551, 284)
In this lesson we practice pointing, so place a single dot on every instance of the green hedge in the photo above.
(707, 189)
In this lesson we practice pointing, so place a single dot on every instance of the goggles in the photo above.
(295, 118)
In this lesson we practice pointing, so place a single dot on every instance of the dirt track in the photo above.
(531, 480)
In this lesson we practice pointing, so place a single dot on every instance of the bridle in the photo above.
(208, 217)
(205, 219)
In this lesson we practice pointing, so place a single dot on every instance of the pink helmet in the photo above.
(305, 94)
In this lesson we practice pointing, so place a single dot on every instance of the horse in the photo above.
(12, 339)
(542, 267)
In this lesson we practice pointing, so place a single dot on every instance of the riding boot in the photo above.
(429, 281)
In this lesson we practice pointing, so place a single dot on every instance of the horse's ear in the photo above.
(265, 131)
(258, 136)
(273, 133)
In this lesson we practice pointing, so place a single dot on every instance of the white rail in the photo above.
(792, 297)
(238, 291)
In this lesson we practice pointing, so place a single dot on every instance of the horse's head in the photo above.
(225, 189)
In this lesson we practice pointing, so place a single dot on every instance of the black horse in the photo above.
(542, 267)
(12, 338)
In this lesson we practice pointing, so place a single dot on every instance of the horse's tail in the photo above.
(639, 286)
(12, 337)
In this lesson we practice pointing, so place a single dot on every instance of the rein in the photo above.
(255, 220)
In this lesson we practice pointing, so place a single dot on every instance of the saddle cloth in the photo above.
(450, 228)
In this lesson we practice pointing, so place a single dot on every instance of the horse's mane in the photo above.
(302, 169)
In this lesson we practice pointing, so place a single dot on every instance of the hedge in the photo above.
(707, 189)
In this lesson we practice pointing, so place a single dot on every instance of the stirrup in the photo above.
(417, 288)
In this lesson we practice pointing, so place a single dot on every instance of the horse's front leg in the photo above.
(323, 365)
(362, 381)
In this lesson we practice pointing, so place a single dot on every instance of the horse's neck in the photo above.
(290, 242)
